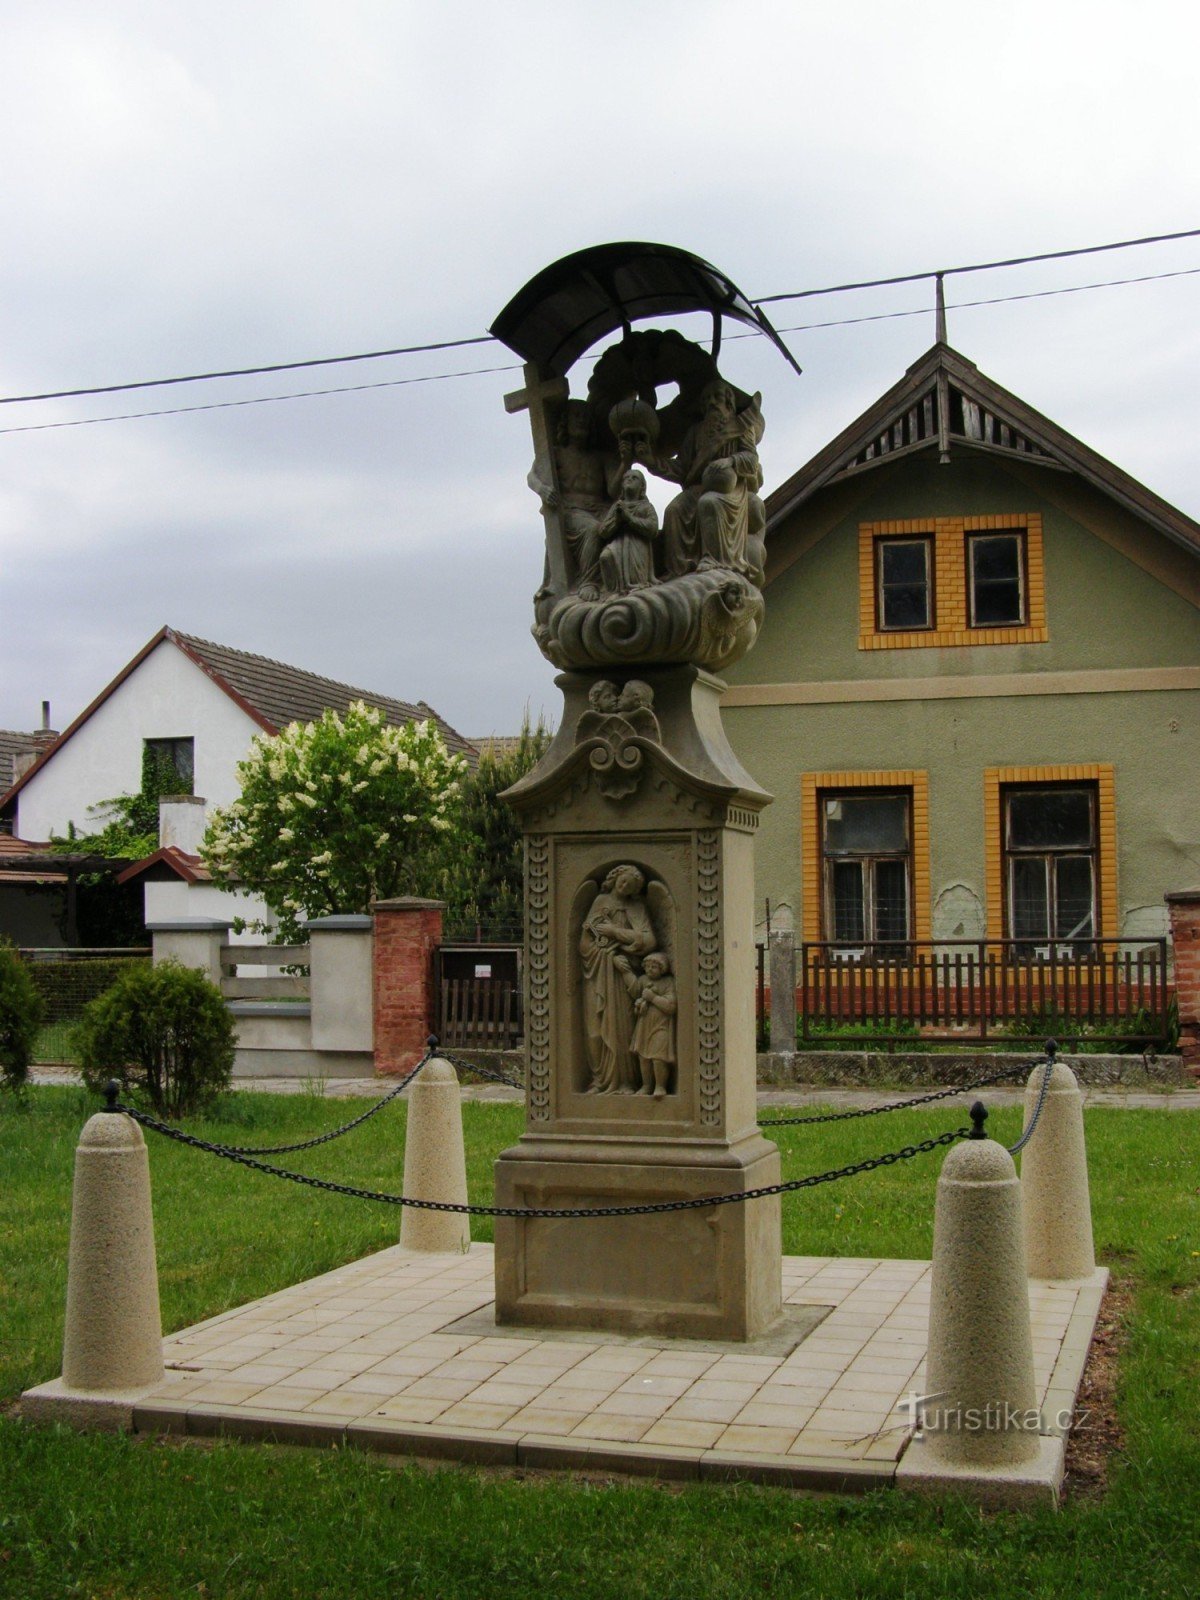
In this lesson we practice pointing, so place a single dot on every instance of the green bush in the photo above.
(162, 1030)
(20, 1014)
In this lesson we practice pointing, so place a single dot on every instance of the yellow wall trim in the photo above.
(811, 784)
(950, 607)
(1102, 774)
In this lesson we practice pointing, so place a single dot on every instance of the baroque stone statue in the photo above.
(619, 590)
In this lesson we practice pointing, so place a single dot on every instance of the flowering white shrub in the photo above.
(337, 813)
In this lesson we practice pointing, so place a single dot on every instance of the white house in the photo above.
(197, 705)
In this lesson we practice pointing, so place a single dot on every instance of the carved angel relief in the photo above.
(627, 992)
(616, 727)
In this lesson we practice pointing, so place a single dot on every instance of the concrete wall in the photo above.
(166, 697)
(1104, 611)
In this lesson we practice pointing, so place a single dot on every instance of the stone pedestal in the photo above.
(639, 826)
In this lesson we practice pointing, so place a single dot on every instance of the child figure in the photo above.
(654, 1009)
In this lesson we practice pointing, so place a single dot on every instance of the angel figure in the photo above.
(617, 931)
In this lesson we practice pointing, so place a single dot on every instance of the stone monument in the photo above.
(639, 821)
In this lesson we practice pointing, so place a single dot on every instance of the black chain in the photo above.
(898, 1105)
(324, 1138)
(461, 1064)
(1037, 1110)
(651, 1208)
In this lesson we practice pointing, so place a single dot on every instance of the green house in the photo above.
(975, 693)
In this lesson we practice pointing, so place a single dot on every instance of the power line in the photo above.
(486, 338)
(243, 372)
(259, 400)
(980, 266)
(473, 372)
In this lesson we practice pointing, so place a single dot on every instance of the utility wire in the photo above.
(245, 372)
(486, 338)
(474, 372)
(979, 266)
(258, 400)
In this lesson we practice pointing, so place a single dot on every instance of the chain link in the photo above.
(325, 1138)
(898, 1105)
(1037, 1111)
(648, 1209)
(461, 1064)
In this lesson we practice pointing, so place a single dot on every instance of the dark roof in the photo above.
(169, 861)
(269, 692)
(12, 745)
(944, 404)
(571, 304)
(276, 694)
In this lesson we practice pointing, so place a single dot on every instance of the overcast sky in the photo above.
(211, 185)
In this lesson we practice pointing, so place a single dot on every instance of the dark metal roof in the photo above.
(568, 306)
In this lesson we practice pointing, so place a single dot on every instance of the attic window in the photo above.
(163, 757)
(996, 572)
(904, 587)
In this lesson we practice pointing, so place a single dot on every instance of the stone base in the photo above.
(1024, 1486)
(708, 1273)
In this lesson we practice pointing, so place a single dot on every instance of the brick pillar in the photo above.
(1184, 909)
(407, 933)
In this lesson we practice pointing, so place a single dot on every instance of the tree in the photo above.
(486, 883)
(337, 813)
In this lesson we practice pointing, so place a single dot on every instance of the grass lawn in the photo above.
(111, 1516)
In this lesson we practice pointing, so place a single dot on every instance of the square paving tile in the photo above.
(403, 1349)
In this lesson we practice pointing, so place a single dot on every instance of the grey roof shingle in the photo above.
(281, 694)
(12, 745)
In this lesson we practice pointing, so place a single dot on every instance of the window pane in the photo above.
(1029, 909)
(1050, 819)
(906, 607)
(904, 583)
(904, 563)
(864, 824)
(849, 919)
(891, 900)
(1073, 884)
(996, 557)
(996, 579)
(168, 756)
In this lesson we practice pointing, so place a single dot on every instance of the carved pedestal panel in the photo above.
(640, 1022)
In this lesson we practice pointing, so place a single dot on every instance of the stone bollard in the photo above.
(435, 1165)
(1055, 1202)
(782, 952)
(113, 1335)
(982, 1407)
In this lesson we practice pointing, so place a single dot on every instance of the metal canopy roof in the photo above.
(570, 305)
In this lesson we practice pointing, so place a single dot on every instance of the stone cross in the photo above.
(534, 397)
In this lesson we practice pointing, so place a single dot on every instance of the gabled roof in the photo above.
(167, 862)
(269, 692)
(946, 406)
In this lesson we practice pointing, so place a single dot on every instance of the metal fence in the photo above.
(67, 979)
(1105, 990)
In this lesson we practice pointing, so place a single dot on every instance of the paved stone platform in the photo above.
(398, 1353)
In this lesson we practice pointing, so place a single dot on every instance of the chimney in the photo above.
(181, 820)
